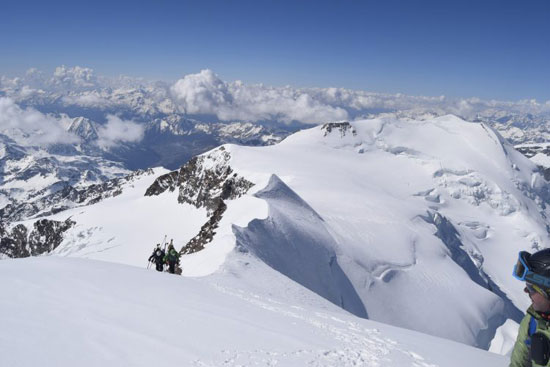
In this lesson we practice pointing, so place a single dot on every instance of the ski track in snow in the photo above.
(359, 346)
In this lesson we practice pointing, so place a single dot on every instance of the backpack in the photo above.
(172, 255)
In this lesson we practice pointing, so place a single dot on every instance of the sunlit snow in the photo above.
(416, 224)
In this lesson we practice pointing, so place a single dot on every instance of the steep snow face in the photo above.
(111, 315)
(295, 241)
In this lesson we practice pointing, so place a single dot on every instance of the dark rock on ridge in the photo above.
(45, 236)
(207, 232)
(204, 181)
(343, 127)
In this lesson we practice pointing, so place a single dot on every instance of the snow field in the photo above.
(68, 311)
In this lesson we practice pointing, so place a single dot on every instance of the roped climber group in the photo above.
(161, 257)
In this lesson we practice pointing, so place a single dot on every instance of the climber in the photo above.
(158, 257)
(172, 258)
(532, 347)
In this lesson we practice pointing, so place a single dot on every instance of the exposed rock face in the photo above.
(343, 127)
(204, 182)
(165, 182)
(206, 233)
(45, 236)
(531, 150)
(14, 244)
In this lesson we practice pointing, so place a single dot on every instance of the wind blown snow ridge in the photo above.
(294, 241)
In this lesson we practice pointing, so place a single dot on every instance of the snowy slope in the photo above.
(126, 228)
(67, 312)
(411, 223)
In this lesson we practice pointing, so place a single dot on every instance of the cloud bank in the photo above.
(205, 93)
(118, 131)
(30, 127)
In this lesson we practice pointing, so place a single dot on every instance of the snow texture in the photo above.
(67, 312)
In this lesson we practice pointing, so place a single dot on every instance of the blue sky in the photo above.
(488, 49)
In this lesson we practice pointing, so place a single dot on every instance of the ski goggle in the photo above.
(522, 271)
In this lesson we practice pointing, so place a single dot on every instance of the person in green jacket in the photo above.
(532, 347)
(172, 258)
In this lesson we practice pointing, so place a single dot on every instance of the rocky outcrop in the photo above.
(44, 237)
(13, 244)
(207, 232)
(531, 150)
(204, 182)
(343, 127)
(165, 182)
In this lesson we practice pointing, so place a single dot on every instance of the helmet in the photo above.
(534, 268)
(539, 262)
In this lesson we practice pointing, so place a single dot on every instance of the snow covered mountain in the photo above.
(29, 174)
(411, 223)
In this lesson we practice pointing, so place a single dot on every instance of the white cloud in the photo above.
(31, 127)
(118, 131)
(76, 77)
(202, 93)
(87, 99)
(206, 93)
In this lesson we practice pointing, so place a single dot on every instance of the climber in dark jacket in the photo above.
(172, 258)
(158, 257)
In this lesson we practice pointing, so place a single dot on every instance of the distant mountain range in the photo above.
(61, 133)
(84, 103)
